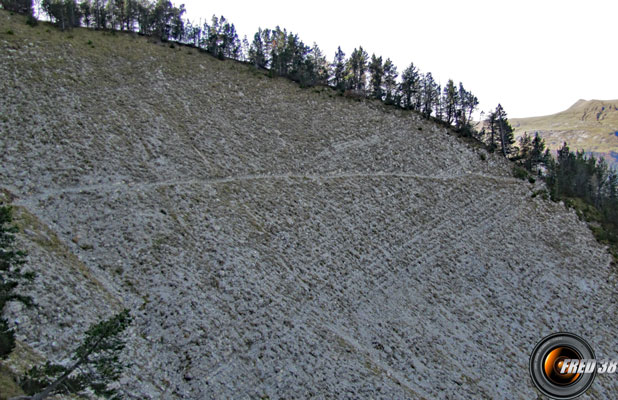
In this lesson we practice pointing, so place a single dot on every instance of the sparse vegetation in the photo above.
(11, 276)
(520, 173)
(587, 125)
(96, 364)
(45, 375)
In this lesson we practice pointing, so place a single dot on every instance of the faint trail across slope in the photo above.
(131, 186)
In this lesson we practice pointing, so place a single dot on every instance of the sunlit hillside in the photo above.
(590, 125)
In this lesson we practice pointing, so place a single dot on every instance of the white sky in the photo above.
(535, 57)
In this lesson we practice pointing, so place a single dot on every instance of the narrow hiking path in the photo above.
(126, 187)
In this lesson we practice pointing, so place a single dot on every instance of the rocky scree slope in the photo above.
(277, 241)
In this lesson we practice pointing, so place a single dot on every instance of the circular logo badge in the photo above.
(562, 366)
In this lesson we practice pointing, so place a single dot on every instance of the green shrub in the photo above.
(520, 173)
(542, 192)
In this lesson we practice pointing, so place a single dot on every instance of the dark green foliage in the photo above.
(85, 9)
(390, 89)
(64, 13)
(11, 275)
(356, 69)
(376, 74)
(257, 50)
(316, 70)
(520, 173)
(430, 94)
(18, 6)
(283, 53)
(467, 103)
(409, 88)
(96, 364)
(451, 99)
(338, 79)
(166, 21)
(221, 39)
(7, 338)
(590, 186)
(31, 20)
(500, 132)
(532, 153)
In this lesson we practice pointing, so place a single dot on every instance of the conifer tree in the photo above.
(357, 68)
(391, 95)
(95, 365)
(451, 100)
(339, 69)
(409, 87)
(317, 63)
(429, 94)
(376, 74)
(18, 6)
(505, 130)
(258, 51)
(11, 275)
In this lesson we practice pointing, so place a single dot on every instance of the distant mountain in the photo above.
(589, 125)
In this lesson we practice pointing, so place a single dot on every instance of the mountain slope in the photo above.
(276, 241)
(590, 125)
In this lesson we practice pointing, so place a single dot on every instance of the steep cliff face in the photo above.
(277, 241)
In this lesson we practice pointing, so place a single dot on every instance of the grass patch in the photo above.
(542, 193)
(520, 173)
(8, 387)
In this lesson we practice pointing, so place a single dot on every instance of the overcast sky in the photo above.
(535, 57)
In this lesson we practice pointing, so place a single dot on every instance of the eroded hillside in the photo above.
(277, 241)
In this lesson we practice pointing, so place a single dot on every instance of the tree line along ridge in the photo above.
(569, 176)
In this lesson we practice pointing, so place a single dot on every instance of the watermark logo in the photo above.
(563, 366)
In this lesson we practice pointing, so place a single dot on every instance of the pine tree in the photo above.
(491, 123)
(467, 103)
(538, 154)
(338, 80)
(357, 68)
(409, 87)
(505, 131)
(257, 51)
(319, 66)
(376, 73)
(11, 275)
(18, 6)
(525, 151)
(96, 364)
(85, 8)
(451, 99)
(429, 94)
(391, 95)
(64, 13)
